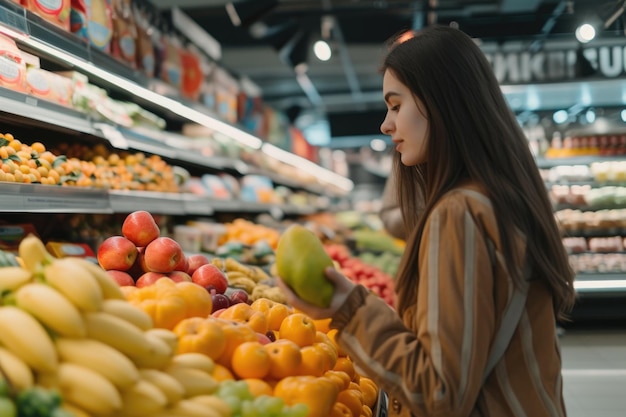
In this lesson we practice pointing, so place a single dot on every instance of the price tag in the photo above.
(113, 135)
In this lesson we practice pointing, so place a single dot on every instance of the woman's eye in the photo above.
(394, 108)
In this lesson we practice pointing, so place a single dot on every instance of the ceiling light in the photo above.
(590, 116)
(322, 50)
(585, 33)
(623, 115)
(378, 145)
(560, 116)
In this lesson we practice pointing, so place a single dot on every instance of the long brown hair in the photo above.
(473, 135)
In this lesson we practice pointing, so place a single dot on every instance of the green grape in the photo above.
(296, 410)
(249, 409)
(233, 402)
(7, 407)
(270, 405)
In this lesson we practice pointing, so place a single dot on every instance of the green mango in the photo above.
(300, 263)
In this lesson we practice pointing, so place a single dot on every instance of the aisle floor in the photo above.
(594, 372)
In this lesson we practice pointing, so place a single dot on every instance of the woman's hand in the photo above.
(343, 287)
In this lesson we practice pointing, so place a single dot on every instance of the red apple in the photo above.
(162, 255)
(179, 276)
(117, 252)
(209, 276)
(121, 277)
(149, 278)
(182, 265)
(137, 269)
(140, 228)
(195, 261)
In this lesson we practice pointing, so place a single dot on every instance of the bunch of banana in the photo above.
(71, 329)
(270, 292)
(239, 275)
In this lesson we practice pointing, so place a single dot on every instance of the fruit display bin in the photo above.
(382, 405)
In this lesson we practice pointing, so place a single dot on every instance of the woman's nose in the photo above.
(386, 127)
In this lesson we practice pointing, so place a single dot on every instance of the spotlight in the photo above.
(322, 50)
(560, 116)
(623, 115)
(590, 116)
(585, 33)
(244, 13)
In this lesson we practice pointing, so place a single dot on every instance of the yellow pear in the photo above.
(301, 261)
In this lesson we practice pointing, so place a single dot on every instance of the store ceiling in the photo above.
(346, 90)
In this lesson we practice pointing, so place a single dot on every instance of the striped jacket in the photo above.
(431, 361)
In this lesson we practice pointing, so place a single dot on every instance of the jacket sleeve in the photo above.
(438, 370)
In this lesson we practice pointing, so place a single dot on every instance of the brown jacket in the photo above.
(431, 361)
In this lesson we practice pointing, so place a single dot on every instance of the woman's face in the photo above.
(405, 121)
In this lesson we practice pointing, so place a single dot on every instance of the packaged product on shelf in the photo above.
(170, 62)
(12, 234)
(226, 90)
(56, 12)
(193, 75)
(92, 21)
(49, 86)
(12, 65)
(65, 249)
(124, 41)
(145, 56)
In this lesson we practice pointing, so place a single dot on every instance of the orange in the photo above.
(276, 314)
(221, 373)
(345, 364)
(341, 379)
(259, 387)
(235, 334)
(332, 335)
(196, 334)
(263, 305)
(366, 411)
(298, 328)
(314, 361)
(330, 354)
(341, 410)
(285, 358)
(244, 313)
(250, 360)
(369, 389)
(322, 325)
(353, 399)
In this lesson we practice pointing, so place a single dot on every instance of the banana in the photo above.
(110, 288)
(74, 410)
(15, 370)
(190, 408)
(166, 335)
(75, 282)
(194, 360)
(23, 335)
(127, 311)
(33, 253)
(159, 356)
(214, 403)
(243, 283)
(51, 308)
(13, 277)
(194, 381)
(118, 333)
(88, 389)
(142, 399)
(169, 386)
(235, 274)
(99, 357)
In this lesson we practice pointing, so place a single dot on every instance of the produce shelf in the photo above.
(600, 283)
(545, 163)
(36, 198)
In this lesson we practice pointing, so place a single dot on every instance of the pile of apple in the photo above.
(140, 256)
(361, 273)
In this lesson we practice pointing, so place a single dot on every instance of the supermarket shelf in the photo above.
(592, 183)
(545, 163)
(44, 39)
(36, 198)
(583, 207)
(600, 283)
(27, 106)
(617, 231)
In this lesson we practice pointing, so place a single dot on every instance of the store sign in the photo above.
(556, 65)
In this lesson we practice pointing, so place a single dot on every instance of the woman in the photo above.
(485, 258)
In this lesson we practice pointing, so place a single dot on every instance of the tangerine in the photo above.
(250, 360)
(221, 373)
(341, 410)
(353, 399)
(235, 334)
(298, 328)
(276, 315)
(332, 335)
(259, 387)
(346, 365)
(285, 358)
(314, 361)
